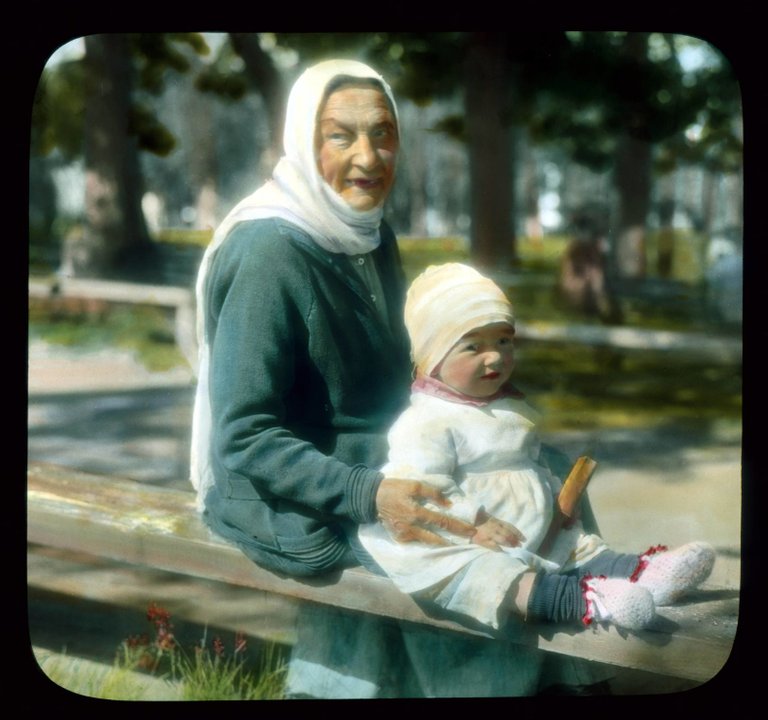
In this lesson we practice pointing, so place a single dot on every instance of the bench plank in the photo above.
(153, 526)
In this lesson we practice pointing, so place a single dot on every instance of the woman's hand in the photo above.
(492, 533)
(400, 508)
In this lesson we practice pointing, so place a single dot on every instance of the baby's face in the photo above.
(481, 362)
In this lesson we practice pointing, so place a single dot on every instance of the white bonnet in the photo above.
(446, 302)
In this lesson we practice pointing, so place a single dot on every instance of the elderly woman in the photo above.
(304, 365)
(304, 362)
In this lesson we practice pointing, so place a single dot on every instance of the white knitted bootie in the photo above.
(618, 601)
(669, 574)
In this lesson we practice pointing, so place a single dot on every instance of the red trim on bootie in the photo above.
(589, 613)
(642, 561)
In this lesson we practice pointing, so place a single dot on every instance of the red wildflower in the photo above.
(161, 618)
(137, 641)
(165, 641)
(158, 615)
(239, 642)
(218, 646)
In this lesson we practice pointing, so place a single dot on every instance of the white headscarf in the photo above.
(297, 193)
(446, 302)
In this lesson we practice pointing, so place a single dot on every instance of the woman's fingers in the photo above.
(429, 492)
(400, 508)
(449, 524)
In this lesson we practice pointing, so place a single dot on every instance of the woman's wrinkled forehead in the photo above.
(343, 82)
(308, 95)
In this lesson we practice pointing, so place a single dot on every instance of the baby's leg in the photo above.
(575, 598)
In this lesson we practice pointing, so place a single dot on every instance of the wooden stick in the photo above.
(575, 485)
(568, 499)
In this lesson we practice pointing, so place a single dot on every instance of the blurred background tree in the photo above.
(93, 109)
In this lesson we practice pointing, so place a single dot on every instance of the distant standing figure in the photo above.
(725, 278)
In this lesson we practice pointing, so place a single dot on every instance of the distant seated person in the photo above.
(582, 284)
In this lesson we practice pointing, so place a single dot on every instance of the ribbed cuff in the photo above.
(362, 486)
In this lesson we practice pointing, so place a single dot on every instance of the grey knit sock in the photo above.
(556, 598)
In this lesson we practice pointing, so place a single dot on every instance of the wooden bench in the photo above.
(158, 527)
(180, 300)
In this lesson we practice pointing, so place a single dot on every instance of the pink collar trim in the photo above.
(433, 386)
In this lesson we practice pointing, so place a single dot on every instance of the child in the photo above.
(469, 432)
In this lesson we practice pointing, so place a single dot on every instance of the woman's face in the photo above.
(357, 145)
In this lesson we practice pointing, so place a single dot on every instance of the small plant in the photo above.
(209, 672)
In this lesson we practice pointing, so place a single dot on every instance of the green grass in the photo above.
(589, 388)
(159, 665)
(204, 677)
(105, 682)
(185, 236)
(146, 331)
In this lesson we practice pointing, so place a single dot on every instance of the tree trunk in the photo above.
(533, 227)
(733, 206)
(203, 160)
(417, 173)
(665, 244)
(490, 152)
(633, 179)
(115, 236)
(268, 83)
(708, 191)
(633, 183)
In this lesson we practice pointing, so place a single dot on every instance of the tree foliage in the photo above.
(587, 94)
(594, 95)
(58, 118)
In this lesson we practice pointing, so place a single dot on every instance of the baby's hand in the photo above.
(492, 533)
